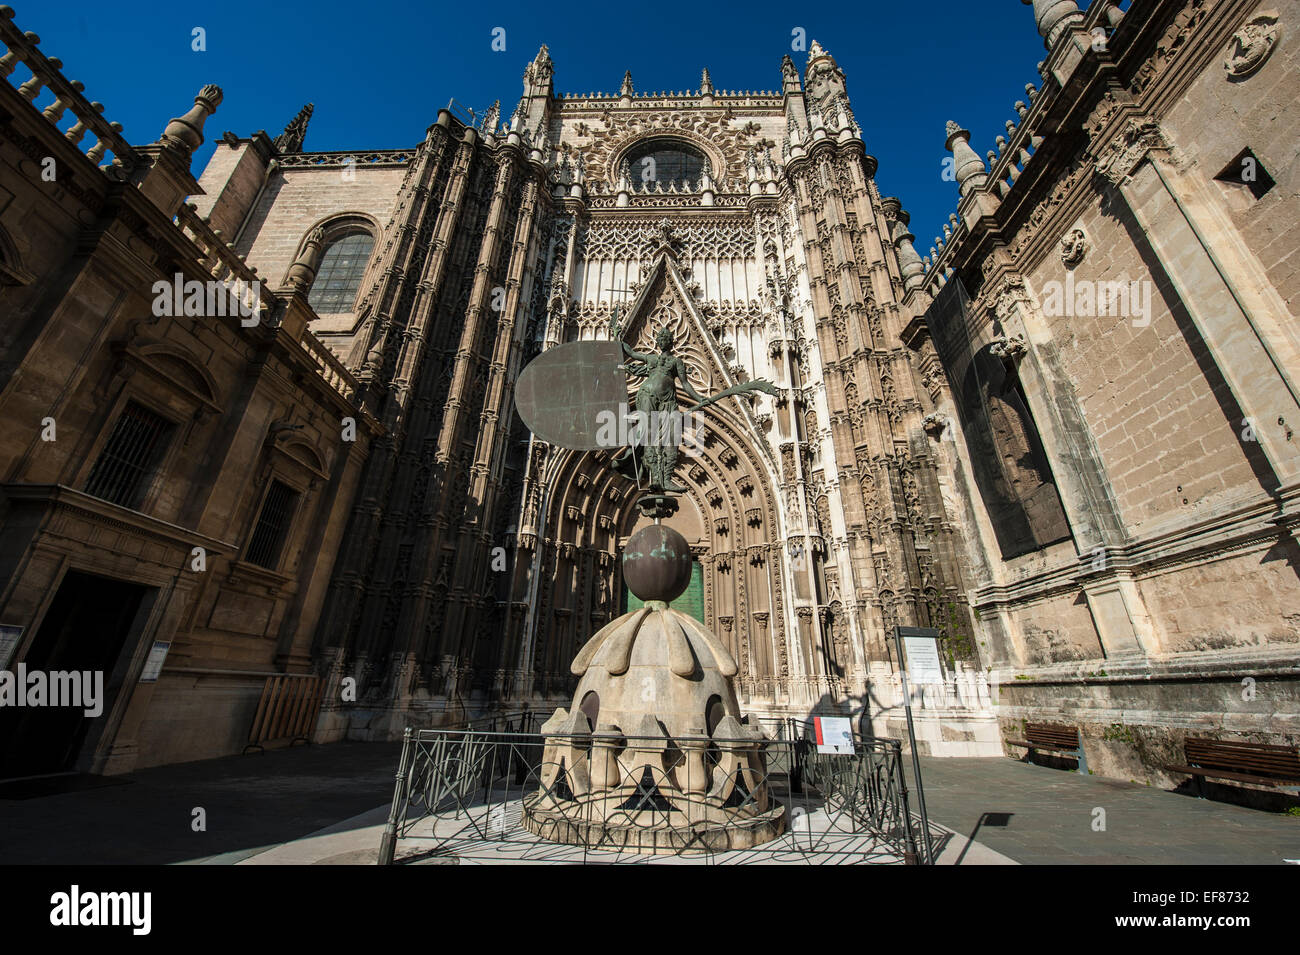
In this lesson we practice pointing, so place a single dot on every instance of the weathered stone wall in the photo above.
(1152, 400)
(1216, 118)
(1179, 580)
(298, 199)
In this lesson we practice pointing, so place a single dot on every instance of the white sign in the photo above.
(834, 734)
(154, 664)
(9, 637)
(922, 654)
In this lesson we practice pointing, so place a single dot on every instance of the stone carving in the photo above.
(1252, 45)
(1074, 247)
(1123, 154)
(1184, 24)
(934, 423)
(1009, 349)
(290, 141)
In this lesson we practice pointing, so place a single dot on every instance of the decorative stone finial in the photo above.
(968, 167)
(909, 263)
(706, 84)
(789, 75)
(303, 271)
(186, 131)
(538, 73)
(626, 89)
(290, 141)
(1054, 17)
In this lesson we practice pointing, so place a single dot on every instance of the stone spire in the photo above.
(626, 89)
(706, 84)
(491, 119)
(789, 75)
(290, 141)
(186, 132)
(1054, 17)
(539, 73)
(968, 167)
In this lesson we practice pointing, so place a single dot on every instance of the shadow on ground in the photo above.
(250, 802)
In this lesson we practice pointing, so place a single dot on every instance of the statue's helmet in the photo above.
(664, 338)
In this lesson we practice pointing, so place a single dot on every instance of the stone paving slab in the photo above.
(252, 803)
(460, 840)
(1050, 812)
(327, 805)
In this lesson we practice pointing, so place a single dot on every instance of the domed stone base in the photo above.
(653, 755)
(593, 824)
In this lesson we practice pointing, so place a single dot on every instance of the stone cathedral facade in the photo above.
(751, 226)
(1063, 438)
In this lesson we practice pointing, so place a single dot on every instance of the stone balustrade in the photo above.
(331, 370)
(222, 262)
(45, 76)
(1017, 148)
(218, 257)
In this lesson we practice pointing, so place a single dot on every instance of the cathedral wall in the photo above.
(231, 181)
(1153, 401)
(1170, 613)
(1244, 599)
(1216, 118)
(297, 199)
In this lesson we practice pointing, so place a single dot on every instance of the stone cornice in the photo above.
(60, 496)
(1178, 544)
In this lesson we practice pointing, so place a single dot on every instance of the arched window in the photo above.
(665, 161)
(1011, 468)
(339, 275)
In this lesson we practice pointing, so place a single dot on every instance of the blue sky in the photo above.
(379, 71)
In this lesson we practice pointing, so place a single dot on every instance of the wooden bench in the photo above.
(1063, 740)
(288, 709)
(1261, 764)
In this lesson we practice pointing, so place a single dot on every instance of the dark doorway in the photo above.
(84, 630)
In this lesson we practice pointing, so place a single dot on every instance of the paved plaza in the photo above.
(328, 804)
(1036, 815)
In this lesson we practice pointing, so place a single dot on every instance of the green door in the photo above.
(690, 603)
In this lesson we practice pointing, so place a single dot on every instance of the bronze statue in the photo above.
(657, 432)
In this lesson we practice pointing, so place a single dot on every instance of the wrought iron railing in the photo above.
(490, 792)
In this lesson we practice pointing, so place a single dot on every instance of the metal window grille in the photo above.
(272, 525)
(340, 272)
(122, 471)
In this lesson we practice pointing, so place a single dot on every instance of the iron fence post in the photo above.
(388, 843)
